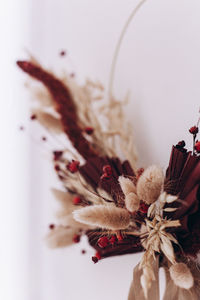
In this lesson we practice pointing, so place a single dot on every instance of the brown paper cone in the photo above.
(136, 290)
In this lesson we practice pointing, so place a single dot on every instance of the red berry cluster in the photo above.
(104, 241)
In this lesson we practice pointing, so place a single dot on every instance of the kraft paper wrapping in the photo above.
(136, 290)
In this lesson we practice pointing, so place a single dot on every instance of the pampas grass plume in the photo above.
(149, 184)
(132, 202)
(48, 121)
(60, 237)
(181, 275)
(108, 217)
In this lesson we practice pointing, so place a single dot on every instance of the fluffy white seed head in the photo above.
(108, 217)
(149, 184)
(181, 275)
(127, 185)
(132, 202)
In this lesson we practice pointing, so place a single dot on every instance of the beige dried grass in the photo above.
(107, 217)
(60, 237)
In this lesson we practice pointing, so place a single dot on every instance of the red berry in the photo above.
(112, 240)
(57, 154)
(143, 208)
(62, 53)
(51, 226)
(98, 255)
(105, 176)
(120, 237)
(95, 259)
(33, 117)
(194, 130)
(181, 144)
(73, 166)
(103, 242)
(107, 170)
(76, 200)
(76, 238)
(57, 168)
(89, 130)
(197, 146)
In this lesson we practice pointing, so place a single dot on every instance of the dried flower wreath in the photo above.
(120, 208)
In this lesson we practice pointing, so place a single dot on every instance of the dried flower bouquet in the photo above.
(122, 209)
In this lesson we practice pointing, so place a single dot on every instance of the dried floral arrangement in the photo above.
(122, 209)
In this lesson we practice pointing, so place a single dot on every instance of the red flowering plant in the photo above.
(120, 208)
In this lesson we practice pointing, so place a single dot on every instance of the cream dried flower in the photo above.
(108, 217)
(150, 184)
(129, 189)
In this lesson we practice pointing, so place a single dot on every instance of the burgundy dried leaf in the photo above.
(64, 105)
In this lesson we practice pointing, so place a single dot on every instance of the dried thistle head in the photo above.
(181, 275)
(108, 217)
(150, 184)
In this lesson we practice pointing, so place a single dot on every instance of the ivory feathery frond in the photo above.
(108, 217)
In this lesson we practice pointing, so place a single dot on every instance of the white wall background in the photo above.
(159, 64)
